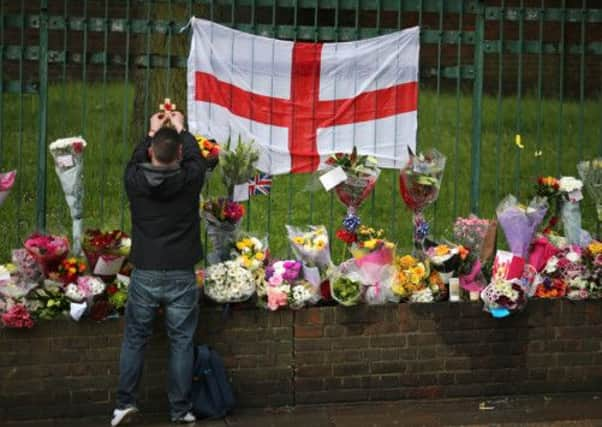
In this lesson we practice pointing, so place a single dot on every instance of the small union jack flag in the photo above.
(260, 184)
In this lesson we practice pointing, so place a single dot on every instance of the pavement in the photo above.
(532, 411)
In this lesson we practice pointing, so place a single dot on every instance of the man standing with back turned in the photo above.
(163, 180)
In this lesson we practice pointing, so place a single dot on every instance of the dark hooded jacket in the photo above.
(164, 203)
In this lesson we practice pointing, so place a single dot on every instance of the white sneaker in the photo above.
(122, 416)
(187, 418)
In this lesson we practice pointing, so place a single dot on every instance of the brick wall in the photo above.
(328, 354)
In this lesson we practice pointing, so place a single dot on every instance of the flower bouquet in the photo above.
(26, 264)
(17, 316)
(520, 223)
(69, 270)
(411, 277)
(590, 172)
(228, 282)
(560, 270)
(85, 288)
(222, 219)
(238, 165)
(444, 258)
(250, 252)
(12, 284)
(592, 259)
(210, 149)
(7, 180)
(419, 184)
(346, 283)
(106, 251)
(503, 297)
(548, 187)
(49, 301)
(477, 235)
(361, 173)
(68, 155)
(372, 247)
(47, 250)
(570, 193)
(469, 273)
(311, 246)
(117, 292)
(284, 286)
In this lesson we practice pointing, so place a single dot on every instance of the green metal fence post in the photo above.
(477, 105)
(43, 118)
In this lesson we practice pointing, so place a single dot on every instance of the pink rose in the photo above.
(276, 299)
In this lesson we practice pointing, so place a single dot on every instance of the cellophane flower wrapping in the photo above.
(106, 251)
(86, 288)
(377, 281)
(47, 250)
(570, 212)
(471, 233)
(443, 257)
(541, 251)
(13, 285)
(372, 247)
(502, 297)
(228, 282)
(420, 179)
(250, 251)
(346, 283)
(590, 172)
(520, 223)
(7, 180)
(362, 173)
(68, 155)
(222, 222)
(311, 246)
(592, 259)
(26, 264)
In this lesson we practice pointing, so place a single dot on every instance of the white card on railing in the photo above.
(108, 266)
(333, 178)
(241, 192)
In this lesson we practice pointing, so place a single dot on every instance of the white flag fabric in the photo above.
(301, 102)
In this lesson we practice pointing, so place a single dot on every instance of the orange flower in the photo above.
(463, 252)
(441, 250)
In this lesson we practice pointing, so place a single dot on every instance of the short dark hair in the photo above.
(165, 145)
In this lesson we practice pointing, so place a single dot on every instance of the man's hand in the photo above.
(177, 120)
(156, 122)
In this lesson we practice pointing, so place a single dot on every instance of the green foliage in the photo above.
(238, 165)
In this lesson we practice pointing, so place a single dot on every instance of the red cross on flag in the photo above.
(301, 102)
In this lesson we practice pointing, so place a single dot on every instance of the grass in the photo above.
(108, 122)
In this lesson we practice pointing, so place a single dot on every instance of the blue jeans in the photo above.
(177, 292)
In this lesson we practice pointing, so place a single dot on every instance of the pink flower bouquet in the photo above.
(47, 250)
(7, 180)
(18, 317)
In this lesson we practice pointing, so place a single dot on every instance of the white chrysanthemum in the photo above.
(66, 142)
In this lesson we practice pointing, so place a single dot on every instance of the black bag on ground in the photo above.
(212, 395)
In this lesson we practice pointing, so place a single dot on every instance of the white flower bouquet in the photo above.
(228, 282)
